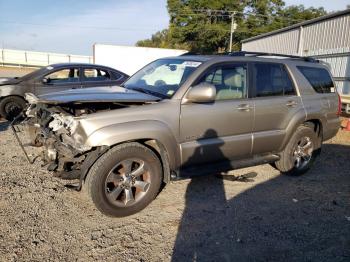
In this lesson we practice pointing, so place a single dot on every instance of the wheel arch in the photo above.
(315, 123)
(153, 134)
(152, 144)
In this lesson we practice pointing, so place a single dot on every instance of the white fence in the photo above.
(35, 59)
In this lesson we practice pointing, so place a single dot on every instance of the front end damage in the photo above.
(59, 138)
(53, 125)
(57, 132)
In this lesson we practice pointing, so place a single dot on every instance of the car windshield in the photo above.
(163, 77)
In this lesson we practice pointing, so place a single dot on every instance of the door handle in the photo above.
(244, 107)
(291, 103)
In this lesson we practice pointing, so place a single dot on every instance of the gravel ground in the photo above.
(256, 214)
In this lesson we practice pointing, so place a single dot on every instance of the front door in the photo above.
(219, 131)
(59, 80)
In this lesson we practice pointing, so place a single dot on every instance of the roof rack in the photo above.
(190, 53)
(256, 54)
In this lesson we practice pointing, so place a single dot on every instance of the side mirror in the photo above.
(45, 81)
(204, 92)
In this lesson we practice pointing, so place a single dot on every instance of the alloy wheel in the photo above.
(127, 182)
(303, 152)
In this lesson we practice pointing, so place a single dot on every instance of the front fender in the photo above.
(130, 131)
(11, 90)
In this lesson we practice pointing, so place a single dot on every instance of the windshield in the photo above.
(162, 77)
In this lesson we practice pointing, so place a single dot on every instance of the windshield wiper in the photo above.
(149, 92)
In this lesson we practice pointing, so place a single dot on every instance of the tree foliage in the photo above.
(204, 25)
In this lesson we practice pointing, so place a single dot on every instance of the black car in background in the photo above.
(54, 78)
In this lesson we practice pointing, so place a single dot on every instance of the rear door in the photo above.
(93, 77)
(58, 80)
(220, 131)
(276, 103)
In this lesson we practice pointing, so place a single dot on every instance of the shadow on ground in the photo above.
(3, 125)
(304, 218)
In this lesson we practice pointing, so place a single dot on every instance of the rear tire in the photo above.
(124, 180)
(11, 106)
(300, 153)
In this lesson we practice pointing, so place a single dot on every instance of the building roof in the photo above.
(308, 22)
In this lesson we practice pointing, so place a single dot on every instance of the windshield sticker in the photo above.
(191, 63)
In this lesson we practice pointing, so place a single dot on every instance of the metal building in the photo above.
(326, 38)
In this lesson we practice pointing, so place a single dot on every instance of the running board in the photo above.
(214, 168)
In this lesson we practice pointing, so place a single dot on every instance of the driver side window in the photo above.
(69, 75)
(230, 81)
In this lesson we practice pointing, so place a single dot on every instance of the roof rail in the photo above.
(189, 53)
(256, 54)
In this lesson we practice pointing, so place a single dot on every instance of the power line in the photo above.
(79, 26)
(208, 13)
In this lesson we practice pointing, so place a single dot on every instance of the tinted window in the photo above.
(115, 75)
(230, 81)
(319, 79)
(63, 76)
(272, 80)
(92, 74)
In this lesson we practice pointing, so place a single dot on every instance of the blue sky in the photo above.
(72, 26)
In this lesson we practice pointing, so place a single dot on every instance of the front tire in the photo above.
(300, 153)
(11, 106)
(124, 180)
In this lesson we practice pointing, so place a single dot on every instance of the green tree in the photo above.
(193, 20)
(159, 39)
(204, 25)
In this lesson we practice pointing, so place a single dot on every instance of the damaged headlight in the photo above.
(67, 126)
(62, 121)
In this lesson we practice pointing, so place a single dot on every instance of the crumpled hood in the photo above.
(92, 95)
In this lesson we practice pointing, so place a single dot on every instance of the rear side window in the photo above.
(116, 76)
(93, 74)
(272, 80)
(319, 79)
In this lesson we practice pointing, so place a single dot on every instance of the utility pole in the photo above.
(233, 28)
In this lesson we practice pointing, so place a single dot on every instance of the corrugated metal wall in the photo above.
(284, 43)
(327, 40)
(328, 34)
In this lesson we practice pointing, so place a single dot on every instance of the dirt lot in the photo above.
(14, 71)
(269, 217)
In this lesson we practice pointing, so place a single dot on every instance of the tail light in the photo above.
(339, 105)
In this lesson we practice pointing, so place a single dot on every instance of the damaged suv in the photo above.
(185, 116)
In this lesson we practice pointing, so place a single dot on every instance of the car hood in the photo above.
(9, 81)
(92, 95)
